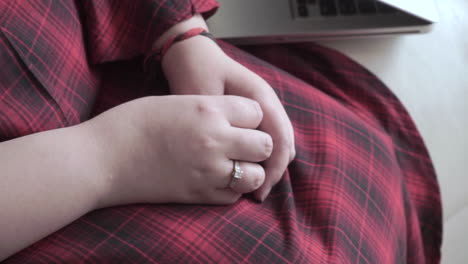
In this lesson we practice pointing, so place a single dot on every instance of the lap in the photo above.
(361, 189)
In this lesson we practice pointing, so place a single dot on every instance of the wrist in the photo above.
(121, 147)
(185, 51)
(190, 64)
(195, 21)
(96, 162)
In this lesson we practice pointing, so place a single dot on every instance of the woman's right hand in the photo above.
(180, 149)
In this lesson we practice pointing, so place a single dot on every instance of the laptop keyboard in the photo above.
(330, 8)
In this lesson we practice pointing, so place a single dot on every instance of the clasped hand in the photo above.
(199, 66)
(181, 148)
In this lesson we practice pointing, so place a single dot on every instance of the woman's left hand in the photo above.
(199, 66)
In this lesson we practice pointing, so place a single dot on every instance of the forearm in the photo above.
(47, 181)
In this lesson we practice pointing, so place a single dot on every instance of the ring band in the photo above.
(236, 173)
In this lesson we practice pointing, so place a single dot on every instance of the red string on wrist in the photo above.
(152, 61)
(180, 37)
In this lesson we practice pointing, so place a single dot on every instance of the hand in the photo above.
(180, 149)
(199, 66)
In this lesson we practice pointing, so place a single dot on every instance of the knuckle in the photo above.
(252, 107)
(257, 110)
(284, 145)
(204, 107)
(206, 143)
(254, 178)
(259, 178)
(268, 146)
(203, 172)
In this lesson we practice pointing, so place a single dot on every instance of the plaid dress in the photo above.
(362, 188)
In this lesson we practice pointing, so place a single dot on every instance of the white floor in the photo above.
(429, 73)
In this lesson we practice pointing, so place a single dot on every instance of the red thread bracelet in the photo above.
(152, 61)
(180, 37)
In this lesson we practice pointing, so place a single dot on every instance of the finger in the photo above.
(275, 167)
(248, 145)
(279, 126)
(251, 178)
(242, 112)
(275, 122)
(245, 83)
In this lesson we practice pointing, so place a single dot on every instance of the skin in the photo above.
(181, 155)
(207, 70)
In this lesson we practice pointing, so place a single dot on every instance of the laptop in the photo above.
(279, 21)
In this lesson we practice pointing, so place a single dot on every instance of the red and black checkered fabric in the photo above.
(362, 188)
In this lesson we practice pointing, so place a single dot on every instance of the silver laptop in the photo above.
(276, 21)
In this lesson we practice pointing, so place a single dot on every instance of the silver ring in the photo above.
(236, 173)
